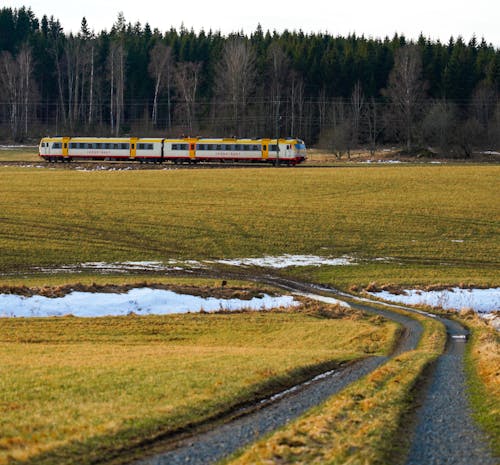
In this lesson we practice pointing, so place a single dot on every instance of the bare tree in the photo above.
(468, 136)
(27, 86)
(296, 103)
(187, 77)
(406, 91)
(116, 67)
(439, 125)
(483, 104)
(322, 108)
(72, 55)
(160, 66)
(374, 126)
(18, 88)
(279, 68)
(235, 78)
(357, 108)
(9, 76)
(336, 139)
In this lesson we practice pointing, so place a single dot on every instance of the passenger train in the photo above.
(287, 151)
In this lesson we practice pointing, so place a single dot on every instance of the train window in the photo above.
(133, 146)
(125, 146)
(237, 146)
(264, 147)
(56, 145)
(72, 145)
(145, 146)
(288, 147)
(219, 147)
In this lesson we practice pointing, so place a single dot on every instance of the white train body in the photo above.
(188, 150)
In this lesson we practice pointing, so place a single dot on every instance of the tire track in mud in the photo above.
(207, 447)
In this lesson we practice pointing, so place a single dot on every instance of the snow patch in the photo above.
(141, 301)
(480, 300)
(10, 147)
(284, 261)
(124, 267)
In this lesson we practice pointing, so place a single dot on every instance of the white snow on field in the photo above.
(480, 300)
(281, 261)
(124, 267)
(284, 261)
(142, 301)
(9, 147)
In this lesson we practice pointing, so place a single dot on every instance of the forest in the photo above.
(338, 93)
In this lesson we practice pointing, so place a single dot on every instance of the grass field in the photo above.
(75, 387)
(434, 223)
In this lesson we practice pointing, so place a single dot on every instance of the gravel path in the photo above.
(446, 432)
(221, 441)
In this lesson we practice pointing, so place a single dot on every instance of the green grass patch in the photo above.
(73, 389)
(123, 279)
(355, 278)
(443, 217)
(357, 426)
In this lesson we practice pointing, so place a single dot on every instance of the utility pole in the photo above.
(278, 119)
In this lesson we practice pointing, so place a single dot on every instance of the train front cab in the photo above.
(54, 149)
(283, 151)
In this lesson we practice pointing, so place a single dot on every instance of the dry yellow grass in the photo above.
(72, 388)
(482, 363)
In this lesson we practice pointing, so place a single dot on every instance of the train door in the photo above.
(65, 147)
(265, 149)
(192, 148)
(133, 147)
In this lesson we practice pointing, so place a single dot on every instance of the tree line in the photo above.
(338, 92)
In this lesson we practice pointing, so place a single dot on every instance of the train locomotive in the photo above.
(286, 151)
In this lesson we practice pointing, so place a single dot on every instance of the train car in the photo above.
(288, 151)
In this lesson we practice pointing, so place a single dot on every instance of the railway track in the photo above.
(119, 165)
